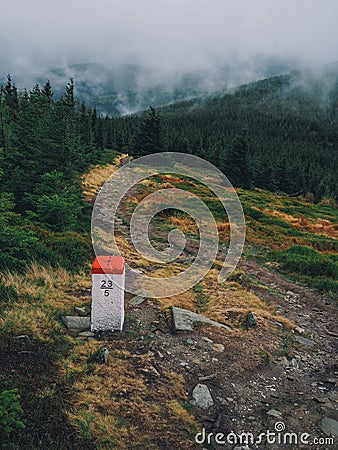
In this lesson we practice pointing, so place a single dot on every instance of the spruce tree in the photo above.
(148, 139)
(236, 166)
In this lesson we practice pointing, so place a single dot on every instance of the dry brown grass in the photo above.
(228, 303)
(93, 180)
(114, 403)
(97, 176)
(184, 223)
(319, 226)
(41, 292)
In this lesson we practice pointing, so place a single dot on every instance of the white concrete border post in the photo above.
(108, 281)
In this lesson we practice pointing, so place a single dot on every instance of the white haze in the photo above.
(173, 36)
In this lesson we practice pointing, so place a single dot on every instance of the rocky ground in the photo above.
(295, 383)
(261, 378)
(254, 378)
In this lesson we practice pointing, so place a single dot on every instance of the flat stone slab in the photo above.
(76, 323)
(184, 320)
(304, 341)
(138, 299)
(86, 334)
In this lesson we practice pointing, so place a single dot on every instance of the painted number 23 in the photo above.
(107, 286)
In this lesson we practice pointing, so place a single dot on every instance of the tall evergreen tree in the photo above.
(237, 163)
(148, 139)
(47, 92)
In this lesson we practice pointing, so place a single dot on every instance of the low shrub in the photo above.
(73, 249)
(308, 261)
(10, 412)
(318, 269)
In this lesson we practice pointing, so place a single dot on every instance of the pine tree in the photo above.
(47, 92)
(69, 94)
(236, 166)
(148, 139)
(11, 97)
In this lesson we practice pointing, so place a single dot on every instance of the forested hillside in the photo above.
(45, 145)
(119, 89)
(55, 155)
(278, 134)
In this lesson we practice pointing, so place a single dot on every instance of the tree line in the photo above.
(272, 134)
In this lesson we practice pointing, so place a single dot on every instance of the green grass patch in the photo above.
(318, 269)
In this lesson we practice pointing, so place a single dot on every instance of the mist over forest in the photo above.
(250, 86)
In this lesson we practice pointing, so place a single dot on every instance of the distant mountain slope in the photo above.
(116, 90)
(289, 125)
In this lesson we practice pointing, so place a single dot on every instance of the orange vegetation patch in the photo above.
(320, 226)
(223, 230)
(172, 179)
(184, 223)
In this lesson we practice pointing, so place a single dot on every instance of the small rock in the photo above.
(319, 400)
(207, 377)
(138, 299)
(329, 426)
(189, 342)
(251, 320)
(299, 330)
(80, 311)
(332, 333)
(222, 400)
(136, 271)
(201, 397)
(102, 356)
(274, 413)
(206, 339)
(304, 341)
(156, 372)
(218, 348)
(76, 324)
(290, 294)
(86, 334)
(295, 363)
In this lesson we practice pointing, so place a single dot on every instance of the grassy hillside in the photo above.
(296, 236)
(70, 401)
(53, 392)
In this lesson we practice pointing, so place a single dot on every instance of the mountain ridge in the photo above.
(121, 89)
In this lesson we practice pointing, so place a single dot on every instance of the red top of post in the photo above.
(109, 265)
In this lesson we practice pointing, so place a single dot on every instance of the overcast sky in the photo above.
(169, 33)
